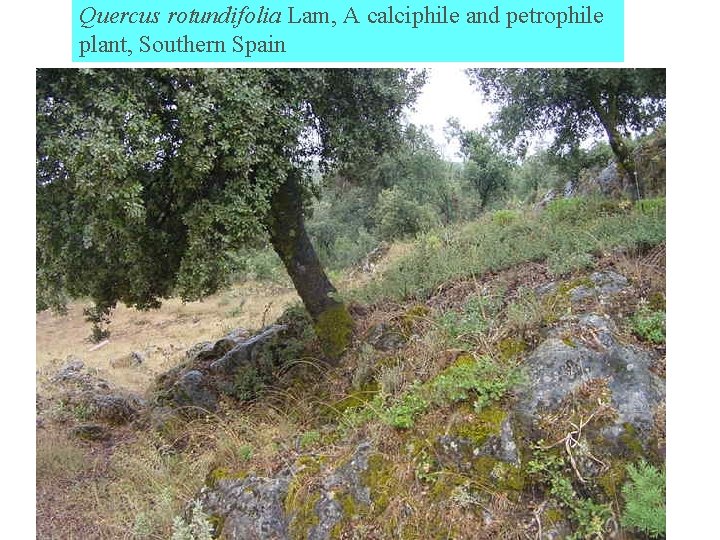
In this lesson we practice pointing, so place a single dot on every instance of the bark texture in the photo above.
(290, 240)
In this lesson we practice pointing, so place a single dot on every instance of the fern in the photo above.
(645, 500)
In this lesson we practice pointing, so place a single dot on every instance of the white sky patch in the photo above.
(448, 94)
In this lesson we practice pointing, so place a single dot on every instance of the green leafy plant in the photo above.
(649, 325)
(309, 438)
(478, 378)
(475, 318)
(644, 500)
(199, 527)
(590, 517)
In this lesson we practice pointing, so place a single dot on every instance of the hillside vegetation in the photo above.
(406, 436)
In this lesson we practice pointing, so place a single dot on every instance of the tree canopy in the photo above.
(148, 178)
(574, 104)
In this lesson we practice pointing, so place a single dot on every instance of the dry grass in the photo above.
(134, 488)
(161, 336)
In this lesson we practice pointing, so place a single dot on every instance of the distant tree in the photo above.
(147, 180)
(575, 103)
(487, 169)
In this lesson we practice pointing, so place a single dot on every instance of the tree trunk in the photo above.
(626, 164)
(332, 321)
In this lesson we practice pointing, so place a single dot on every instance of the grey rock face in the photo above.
(192, 390)
(385, 338)
(252, 508)
(115, 408)
(459, 453)
(348, 479)
(196, 386)
(234, 353)
(70, 371)
(557, 368)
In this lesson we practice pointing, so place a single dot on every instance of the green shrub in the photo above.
(651, 207)
(644, 500)
(568, 236)
(475, 318)
(481, 379)
(649, 325)
(400, 216)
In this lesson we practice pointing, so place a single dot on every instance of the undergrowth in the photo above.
(480, 379)
(644, 497)
(568, 235)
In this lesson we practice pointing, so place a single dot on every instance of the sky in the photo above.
(447, 94)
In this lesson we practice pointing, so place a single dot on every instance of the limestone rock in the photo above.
(561, 364)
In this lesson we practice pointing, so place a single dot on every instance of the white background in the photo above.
(679, 36)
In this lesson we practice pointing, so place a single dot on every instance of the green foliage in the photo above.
(649, 324)
(572, 102)
(149, 181)
(567, 238)
(480, 379)
(487, 170)
(475, 318)
(199, 527)
(309, 439)
(403, 413)
(342, 223)
(644, 500)
(258, 264)
(590, 517)
(651, 207)
(399, 216)
(99, 316)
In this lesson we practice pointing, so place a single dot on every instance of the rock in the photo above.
(347, 480)
(486, 447)
(115, 408)
(608, 282)
(249, 508)
(234, 365)
(133, 359)
(559, 366)
(193, 392)
(256, 507)
(385, 338)
(235, 354)
(70, 371)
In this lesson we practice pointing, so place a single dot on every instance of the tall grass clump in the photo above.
(567, 235)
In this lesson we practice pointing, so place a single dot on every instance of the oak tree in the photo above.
(149, 179)
(575, 103)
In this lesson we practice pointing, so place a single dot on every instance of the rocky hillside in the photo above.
(526, 400)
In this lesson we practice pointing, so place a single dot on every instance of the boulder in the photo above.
(584, 350)
(193, 390)
(249, 508)
(257, 507)
(385, 338)
(115, 409)
(235, 365)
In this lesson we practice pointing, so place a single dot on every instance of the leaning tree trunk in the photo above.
(626, 164)
(332, 321)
